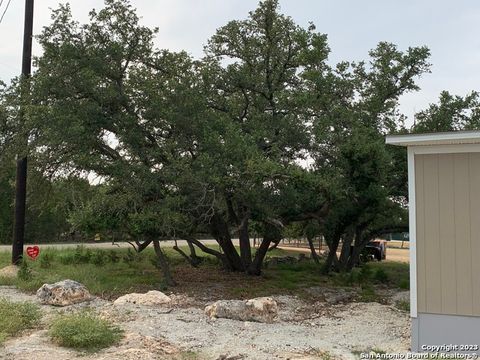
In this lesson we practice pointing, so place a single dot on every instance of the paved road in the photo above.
(104, 245)
(393, 254)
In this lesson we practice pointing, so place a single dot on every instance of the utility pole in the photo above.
(21, 174)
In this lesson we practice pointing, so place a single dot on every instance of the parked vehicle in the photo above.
(375, 250)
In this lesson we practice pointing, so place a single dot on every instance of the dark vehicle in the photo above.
(375, 250)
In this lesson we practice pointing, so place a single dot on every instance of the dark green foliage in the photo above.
(99, 257)
(450, 114)
(113, 256)
(404, 284)
(365, 273)
(368, 294)
(217, 145)
(132, 256)
(380, 276)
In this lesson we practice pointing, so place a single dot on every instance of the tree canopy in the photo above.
(262, 132)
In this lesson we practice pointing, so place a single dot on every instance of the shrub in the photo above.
(381, 276)
(404, 284)
(84, 331)
(24, 272)
(365, 273)
(403, 305)
(368, 294)
(46, 260)
(113, 256)
(15, 317)
(132, 256)
(129, 256)
(82, 255)
(98, 258)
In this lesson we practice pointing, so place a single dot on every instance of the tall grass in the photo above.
(84, 331)
(16, 317)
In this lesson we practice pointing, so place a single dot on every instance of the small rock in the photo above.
(10, 271)
(63, 293)
(151, 298)
(262, 309)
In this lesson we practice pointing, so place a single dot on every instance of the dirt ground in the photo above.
(305, 329)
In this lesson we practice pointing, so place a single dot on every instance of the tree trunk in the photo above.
(210, 251)
(332, 260)
(315, 256)
(276, 242)
(163, 263)
(354, 258)
(346, 248)
(271, 234)
(220, 232)
(244, 240)
(193, 254)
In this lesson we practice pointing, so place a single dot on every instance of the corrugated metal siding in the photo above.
(448, 233)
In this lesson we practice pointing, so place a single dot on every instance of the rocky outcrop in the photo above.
(151, 298)
(63, 293)
(262, 309)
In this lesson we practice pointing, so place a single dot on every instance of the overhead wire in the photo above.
(6, 8)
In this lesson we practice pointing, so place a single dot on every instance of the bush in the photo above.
(368, 294)
(113, 256)
(15, 317)
(98, 258)
(381, 276)
(46, 260)
(403, 305)
(84, 331)
(131, 256)
(82, 255)
(365, 273)
(404, 284)
(24, 272)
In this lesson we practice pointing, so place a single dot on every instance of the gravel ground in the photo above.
(180, 330)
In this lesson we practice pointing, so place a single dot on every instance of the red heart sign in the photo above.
(33, 251)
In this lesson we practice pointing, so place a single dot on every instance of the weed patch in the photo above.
(16, 317)
(84, 331)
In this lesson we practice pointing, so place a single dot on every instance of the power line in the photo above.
(6, 8)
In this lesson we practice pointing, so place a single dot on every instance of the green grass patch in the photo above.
(84, 331)
(109, 273)
(16, 317)
(105, 273)
(403, 305)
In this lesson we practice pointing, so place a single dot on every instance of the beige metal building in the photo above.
(444, 195)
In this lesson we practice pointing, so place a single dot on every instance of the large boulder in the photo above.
(63, 293)
(151, 298)
(262, 309)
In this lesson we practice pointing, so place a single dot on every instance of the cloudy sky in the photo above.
(448, 28)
